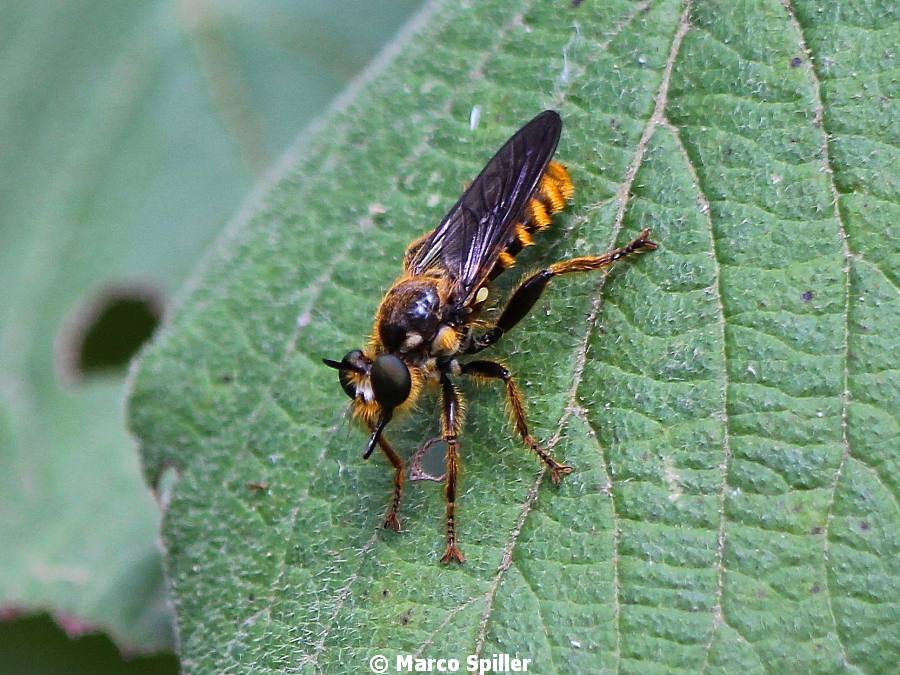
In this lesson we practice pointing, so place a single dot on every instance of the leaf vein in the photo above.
(822, 124)
(581, 354)
(718, 614)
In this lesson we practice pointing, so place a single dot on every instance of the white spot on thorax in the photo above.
(365, 389)
(412, 341)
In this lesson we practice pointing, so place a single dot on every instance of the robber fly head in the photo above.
(377, 386)
(385, 377)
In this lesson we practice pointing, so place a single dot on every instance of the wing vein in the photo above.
(469, 239)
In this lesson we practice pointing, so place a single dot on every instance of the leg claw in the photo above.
(453, 554)
(559, 470)
(392, 522)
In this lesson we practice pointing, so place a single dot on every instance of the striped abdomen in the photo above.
(554, 191)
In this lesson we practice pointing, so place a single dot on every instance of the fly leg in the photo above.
(495, 371)
(451, 423)
(390, 520)
(530, 290)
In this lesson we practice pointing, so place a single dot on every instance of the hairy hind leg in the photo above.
(495, 371)
(527, 294)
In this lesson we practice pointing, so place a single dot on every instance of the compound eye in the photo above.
(353, 362)
(391, 381)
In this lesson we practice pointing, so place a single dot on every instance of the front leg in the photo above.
(524, 297)
(391, 520)
(495, 371)
(451, 424)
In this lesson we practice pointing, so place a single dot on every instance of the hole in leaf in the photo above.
(428, 461)
(117, 334)
(106, 330)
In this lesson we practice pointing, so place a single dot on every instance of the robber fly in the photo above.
(430, 317)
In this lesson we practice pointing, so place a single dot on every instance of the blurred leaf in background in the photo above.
(129, 133)
(37, 645)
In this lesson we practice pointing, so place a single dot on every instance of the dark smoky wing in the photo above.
(470, 238)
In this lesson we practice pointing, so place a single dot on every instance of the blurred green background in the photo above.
(129, 134)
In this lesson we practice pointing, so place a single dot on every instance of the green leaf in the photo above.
(128, 133)
(729, 401)
(36, 645)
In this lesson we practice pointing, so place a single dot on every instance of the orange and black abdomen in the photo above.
(553, 193)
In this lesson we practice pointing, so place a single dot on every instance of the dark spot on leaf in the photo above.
(105, 330)
(252, 597)
(807, 296)
(864, 526)
(816, 588)
(385, 593)
(817, 530)
(226, 378)
(376, 212)
(796, 61)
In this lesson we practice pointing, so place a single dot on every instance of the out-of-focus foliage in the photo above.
(129, 132)
(37, 646)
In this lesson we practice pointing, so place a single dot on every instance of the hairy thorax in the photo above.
(414, 323)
